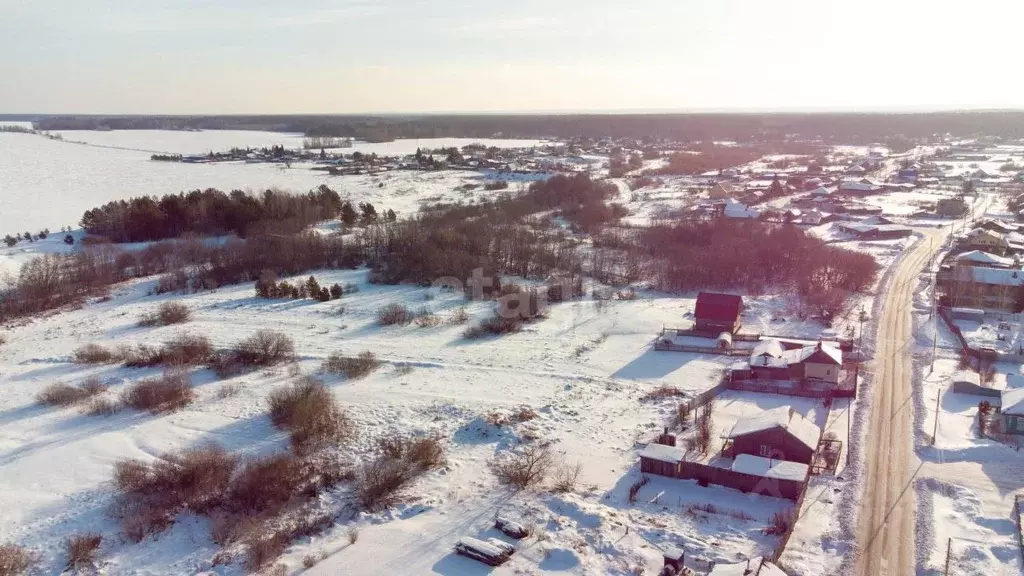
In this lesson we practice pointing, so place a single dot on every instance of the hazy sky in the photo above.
(306, 56)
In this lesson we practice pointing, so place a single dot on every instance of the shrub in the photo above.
(780, 524)
(379, 481)
(14, 560)
(525, 468)
(336, 291)
(69, 239)
(81, 550)
(353, 536)
(458, 316)
(496, 325)
(427, 319)
(151, 494)
(3, 339)
(393, 314)
(59, 394)
(167, 393)
(264, 348)
(307, 409)
(662, 392)
(265, 483)
(352, 368)
(94, 354)
(166, 314)
(566, 477)
(174, 281)
(102, 407)
(186, 350)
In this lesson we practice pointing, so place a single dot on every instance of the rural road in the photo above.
(885, 532)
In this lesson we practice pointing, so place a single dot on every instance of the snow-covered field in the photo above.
(49, 184)
(582, 370)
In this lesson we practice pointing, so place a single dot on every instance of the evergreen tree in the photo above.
(336, 291)
(324, 295)
(369, 213)
(312, 287)
(348, 214)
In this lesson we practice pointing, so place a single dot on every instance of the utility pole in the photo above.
(935, 429)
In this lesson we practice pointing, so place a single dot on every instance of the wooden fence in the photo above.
(790, 390)
(704, 474)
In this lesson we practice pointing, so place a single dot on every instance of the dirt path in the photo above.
(886, 521)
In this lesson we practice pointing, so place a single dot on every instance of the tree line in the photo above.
(212, 212)
(536, 234)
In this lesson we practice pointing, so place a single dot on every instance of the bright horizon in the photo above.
(403, 56)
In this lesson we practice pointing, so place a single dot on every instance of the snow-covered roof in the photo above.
(784, 417)
(662, 453)
(966, 376)
(821, 191)
(1014, 380)
(981, 257)
(769, 468)
(833, 353)
(1012, 401)
(768, 347)
(997, 276)
(737, 210)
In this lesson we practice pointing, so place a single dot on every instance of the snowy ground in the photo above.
(582, 370)
(68, 179)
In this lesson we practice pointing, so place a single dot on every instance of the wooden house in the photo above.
(778, 434)
(1012, 410)
(716, 313)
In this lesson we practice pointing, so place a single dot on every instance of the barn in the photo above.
(779, 434)
(716, 313)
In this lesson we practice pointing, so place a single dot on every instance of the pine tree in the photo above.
(312, 287)
(348, 214)
(336, 291)
(324, 295)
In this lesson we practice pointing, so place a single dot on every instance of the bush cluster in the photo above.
(352, 368)
(308, 411)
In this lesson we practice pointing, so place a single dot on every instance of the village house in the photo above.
(724, 190)
(988, 241)
(951, 207)
(770, 360)
(716, 313)
(980, 287)
(1012, 410)
(984, 260)
(777, 434)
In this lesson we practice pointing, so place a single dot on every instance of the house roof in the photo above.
(997, 276)
(966, 376)
(821, 353)
(662, 453)
(735, 209)
(769, 468)
(1012, 401)
(1014, 380)
(716, 306)
(784, 417)
(981, 257)
(768, 347)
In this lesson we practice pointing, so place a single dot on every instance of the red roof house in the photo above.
(718, 312)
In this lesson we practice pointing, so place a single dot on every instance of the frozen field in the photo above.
(583, 371)
(65, 179)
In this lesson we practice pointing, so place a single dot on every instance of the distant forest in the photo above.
(848, 128)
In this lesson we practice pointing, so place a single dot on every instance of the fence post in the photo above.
(949, 551)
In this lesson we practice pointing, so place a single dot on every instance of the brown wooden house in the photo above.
(717, 313)
(779, 434)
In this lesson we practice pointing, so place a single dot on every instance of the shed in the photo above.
(968, 382)
(718, 313)
(660, 459)
(975, 314)
(779, 433)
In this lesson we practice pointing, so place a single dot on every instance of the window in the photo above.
(766, 450)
